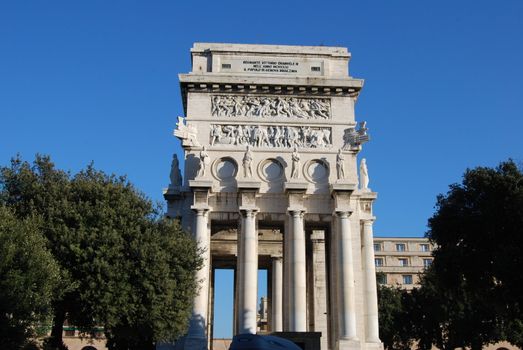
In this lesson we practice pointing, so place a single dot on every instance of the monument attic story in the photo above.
(317, 70)
(270, 181)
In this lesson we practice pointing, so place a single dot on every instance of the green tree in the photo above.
(113, 249)
(476, 273)
(396, 328)
(28, 279)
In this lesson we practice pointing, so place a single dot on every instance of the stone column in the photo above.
(369, 273)
(298, 277)
(346, 288)
(198, 323)
(277, 295)
(248, 273)
(318, 287)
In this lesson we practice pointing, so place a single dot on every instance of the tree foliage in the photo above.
(472, 294)
(29, 276)
(125, 267)
(394, 323)
(476, 274)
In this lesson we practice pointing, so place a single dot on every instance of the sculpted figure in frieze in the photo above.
(278, 136)
(270, 106)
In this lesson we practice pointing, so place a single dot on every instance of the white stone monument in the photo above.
(270, 181)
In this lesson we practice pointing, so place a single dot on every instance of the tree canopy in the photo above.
(478, 261)
(29, 277)
(124, 266)
(472, 294)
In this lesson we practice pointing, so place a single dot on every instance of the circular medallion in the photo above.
(316, 171)
(270, 170)
(225, 169)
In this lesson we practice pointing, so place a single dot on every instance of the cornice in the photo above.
(217, 83)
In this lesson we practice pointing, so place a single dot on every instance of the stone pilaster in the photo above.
(277, 294)
(318, 287)
(369, 275)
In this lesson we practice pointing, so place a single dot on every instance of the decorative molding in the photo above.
(271, 136)
(270, 107)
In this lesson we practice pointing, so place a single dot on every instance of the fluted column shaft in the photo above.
(298, 296)
(277, 295)
(248, 274)
(371, 296)
(346, 291)
(198, 323)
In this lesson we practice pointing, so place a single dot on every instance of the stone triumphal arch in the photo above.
(271, 181)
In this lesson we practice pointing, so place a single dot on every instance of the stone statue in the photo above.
(216, 134)
(175, 175)
(295, 163)
(204, 161)
(340, 165)
(364, 176)
(186, 133)
(247, 163)
(354, 138)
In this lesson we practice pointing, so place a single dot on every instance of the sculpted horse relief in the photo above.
(266, 106)
(280, 136)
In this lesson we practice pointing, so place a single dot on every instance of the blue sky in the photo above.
(97, 80)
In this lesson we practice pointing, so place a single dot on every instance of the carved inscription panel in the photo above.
(271, 65)
(271, 136)
(270, 106)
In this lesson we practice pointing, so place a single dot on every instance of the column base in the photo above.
(374, 345)
(348, 344)
(188, 343)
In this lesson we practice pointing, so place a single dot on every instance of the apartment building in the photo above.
(400, 260)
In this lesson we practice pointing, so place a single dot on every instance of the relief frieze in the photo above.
(270, 106)
(271, 136)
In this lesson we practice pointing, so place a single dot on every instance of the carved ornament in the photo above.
(267, 107)
(271, 136)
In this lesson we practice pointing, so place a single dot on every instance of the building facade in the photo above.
(399, 261)
(270, 182)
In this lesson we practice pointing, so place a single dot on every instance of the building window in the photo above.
(400, 247)
(407, 279)
(424, 247)
(403, 262)
(377, 247)
(381, 278)
(427, 262)
(378, 262)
